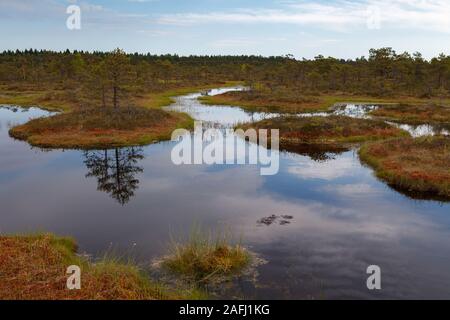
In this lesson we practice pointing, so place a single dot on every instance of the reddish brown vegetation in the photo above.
(420, 166)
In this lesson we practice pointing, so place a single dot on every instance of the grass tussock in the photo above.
(34, 267)
(204, 257)
(417, 166)
(332, 130)
(414, 114)
(101, 127)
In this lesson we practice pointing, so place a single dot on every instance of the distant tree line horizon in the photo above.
(110, 78)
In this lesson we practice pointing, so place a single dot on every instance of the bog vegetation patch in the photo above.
(419, 166)
(101, 128)
(331, 130)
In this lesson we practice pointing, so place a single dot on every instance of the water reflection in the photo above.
(316, 152)
(115, 171)
(343, 218)
(224, 116)
(423, 129)
(281, 220)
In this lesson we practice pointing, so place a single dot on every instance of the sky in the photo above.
(304, 28)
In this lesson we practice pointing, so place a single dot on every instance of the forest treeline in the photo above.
(106, 78)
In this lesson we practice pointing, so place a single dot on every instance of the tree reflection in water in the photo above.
(115, 171)
(317, 152)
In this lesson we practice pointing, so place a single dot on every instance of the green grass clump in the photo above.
(204, 257)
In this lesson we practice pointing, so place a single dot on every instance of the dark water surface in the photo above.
(342, 218)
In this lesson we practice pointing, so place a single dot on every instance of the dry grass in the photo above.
(101, 128)
(34, 267)
(419, 166)
(333, 130)
(414, 114)
(203, 257)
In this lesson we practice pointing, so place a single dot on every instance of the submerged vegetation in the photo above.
(204, 257)
(101, 128)
(34, 267)
(417, 166)
(331, 130)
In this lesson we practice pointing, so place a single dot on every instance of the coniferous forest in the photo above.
(101, 77)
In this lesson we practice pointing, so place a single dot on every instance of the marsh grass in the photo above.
(419, 167)
(51, 100)
(291, 101)
(414, 114)
(34, 267)
(330, 130)
(252, 101)
(206, 256)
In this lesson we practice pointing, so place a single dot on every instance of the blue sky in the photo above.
(304, 28)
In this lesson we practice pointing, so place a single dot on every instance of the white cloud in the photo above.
(155, 32)
(342, 14)
(351, 190)
(239, 42)
(329, 170)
